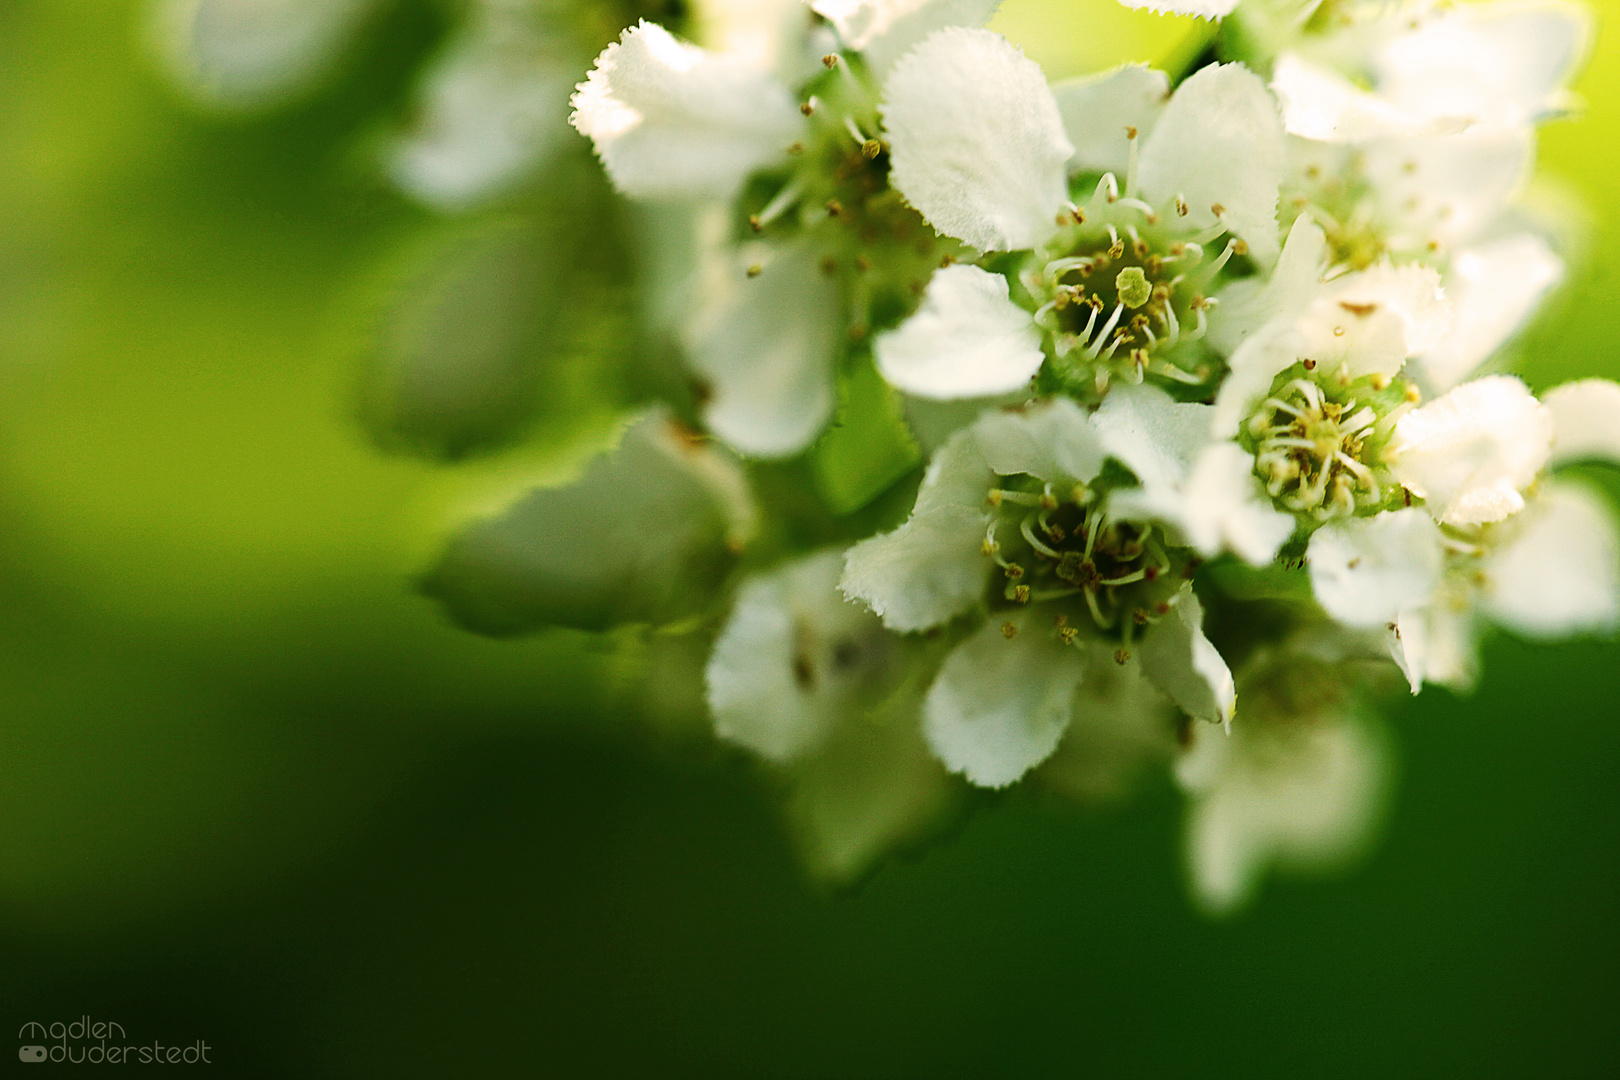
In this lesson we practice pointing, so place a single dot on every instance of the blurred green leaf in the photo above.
(646, 535)
(459, 351)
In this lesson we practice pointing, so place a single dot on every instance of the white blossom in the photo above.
(1471, 452)
(672, 120)
(1301, 791)
(249, 54)
(981, 150)
(1003, 699)
(491, 108)
(794, 658)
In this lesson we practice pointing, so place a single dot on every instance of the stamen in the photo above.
(1108, 328)
(1233, 247)
(1027, 528)
(1141, 207)
(1107, 189)
(1017, 498)
(790, 193)
(1096, 612)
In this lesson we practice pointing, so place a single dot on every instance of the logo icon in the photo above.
(31, 1053)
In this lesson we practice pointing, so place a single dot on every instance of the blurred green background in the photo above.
(255, 791)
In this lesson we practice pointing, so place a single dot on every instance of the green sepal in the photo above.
(868, 447)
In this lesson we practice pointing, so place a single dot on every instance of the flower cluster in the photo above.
(1148, 419)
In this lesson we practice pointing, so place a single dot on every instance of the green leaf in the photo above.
(868, 447)
(646, 535)
(457, 350)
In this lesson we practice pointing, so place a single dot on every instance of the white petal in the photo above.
(1435, 643)
(791, 658)
(672, 121)
(1000, 705)
(1448, 190)
(1494, 288)
(1253, 368)
(233, 55)
(1304, 796)
(1223, 508)
(1250, 304)
(1182, 663)
(968, 339)
(491, 110)
(1369, 322)
(1560, 574)
(1220, 142)
(1051, 440)
(1472, 451)
(1366, 571)
(933, 422)
(1318, 103)
(765, 348)
(1505, 62)
(932, 568)
(1203, 9)
(1151, 433)
(1097, 109)
(1586, 420)
(883, 30)
(977, 145)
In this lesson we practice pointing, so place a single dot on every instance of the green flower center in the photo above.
(835, 194)
(1063, 549)
(1318, 444)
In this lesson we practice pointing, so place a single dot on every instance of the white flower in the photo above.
(249, 54)
(1301, 791)
(794, 659)
(977, 142)
(1366, 571)
(813, 683)
(837, 248)
(1493, 286)
(882, 30)
(1586, 421)
(980, 148)
(1096, 109)
(1357, 325)
(763, 345)
(1425, 164)
(1471, 452)
(1002, 701)
(674, 121)
(491, 109)
(1009, 498)
(1550, 571)
(1534, 555)
(1501, 64)
(984, 150)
